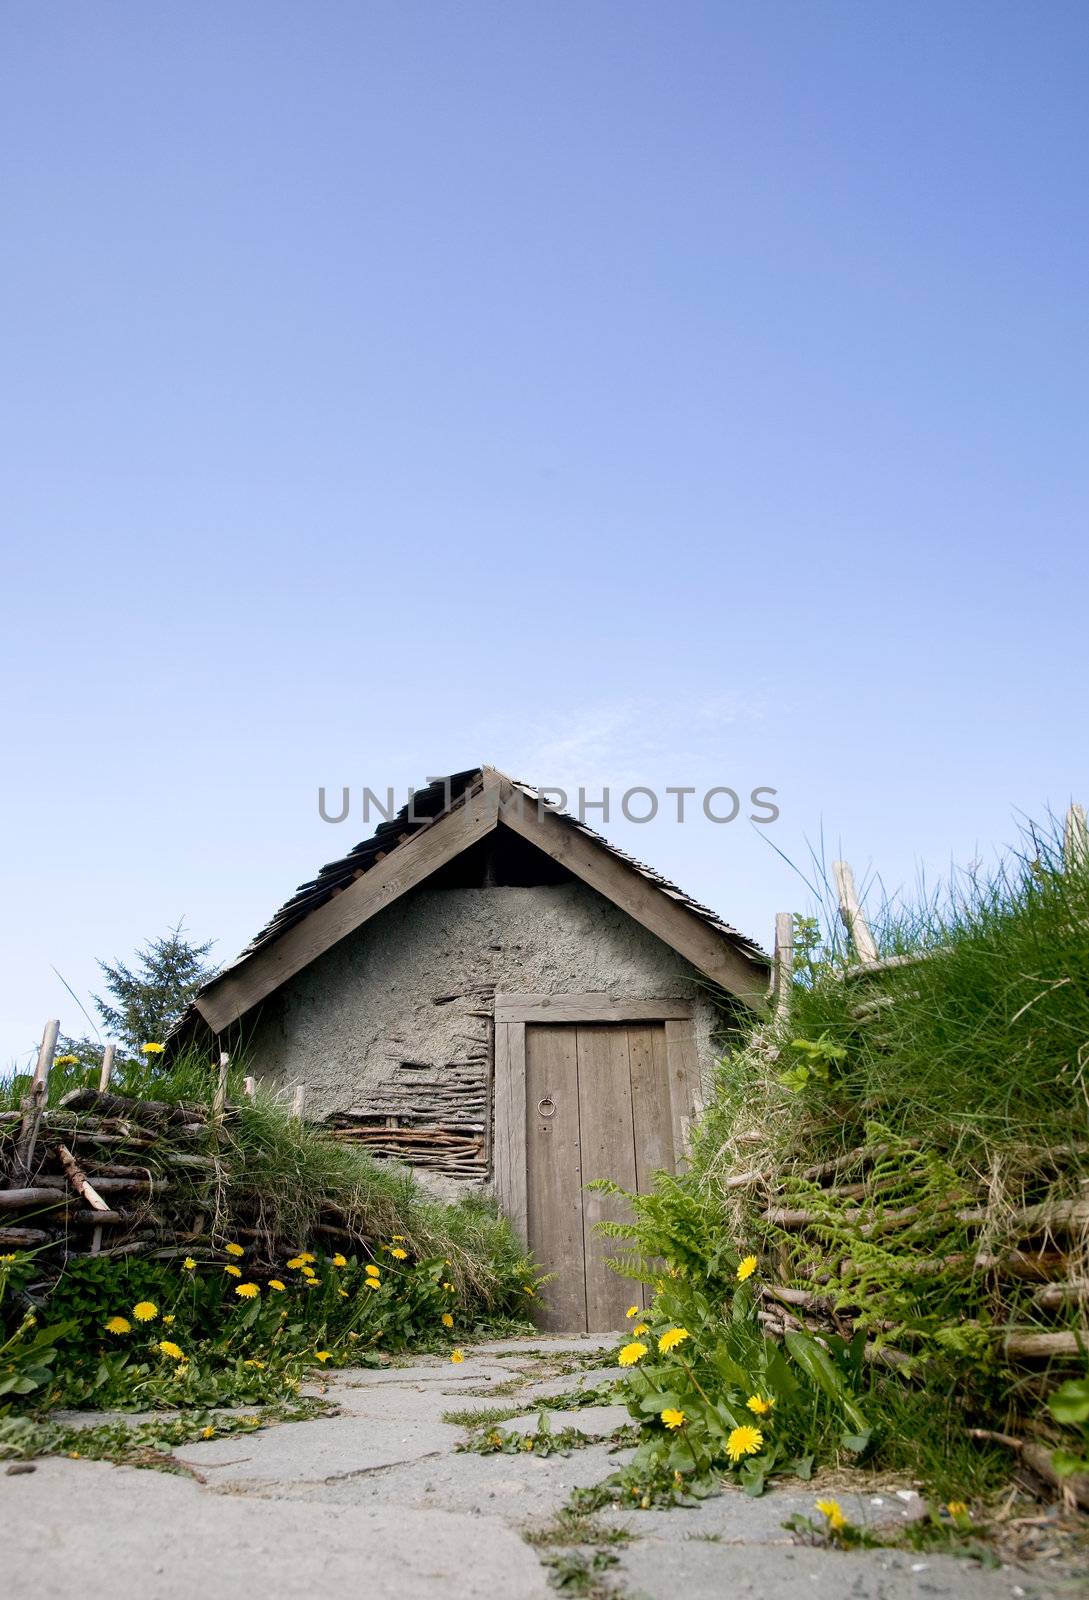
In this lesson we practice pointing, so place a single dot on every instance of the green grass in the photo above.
(498, 1391)
(148, 1444)
(987, 1040)
(571, 1572)
(482, 1416)
(570, 1527)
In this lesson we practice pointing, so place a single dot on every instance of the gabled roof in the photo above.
(442, 820)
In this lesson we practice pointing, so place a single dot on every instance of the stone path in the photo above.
(374, 1502)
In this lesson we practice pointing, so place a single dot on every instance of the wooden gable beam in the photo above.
(428, 849)
(587, 858)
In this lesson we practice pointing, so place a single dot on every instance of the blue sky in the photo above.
(615, 393)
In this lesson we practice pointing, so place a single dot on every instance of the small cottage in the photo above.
(489, 992)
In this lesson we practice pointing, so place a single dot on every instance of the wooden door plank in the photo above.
(608, 1151)
(554, 1174)
(685, 1089)
(509, 1130)
(652, 1113)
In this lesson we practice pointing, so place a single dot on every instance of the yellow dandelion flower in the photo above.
(296, 1262)
(399, 1238)
(449, 1287)
(640, 1328)
(371, 1270)
(457, 1356)
(232, 1271)
(152, 1049)
(275, 1283)
(307, 1255)
(308, 1272)
(672, 1338)
(343, 1293)
(632, 1353)
(312, 1283)
(957, 1508)
(145, 1311)
(322, 1355)
(758, 1405)
(527, 1288)
(672, 1418)
(246, 1290)
(65, 1061)
(372, 1283)
(339, 1260)
(743, 1441)
(632, 1311)
(398, 1254)
(208, 1433)
(169, 1318)
(167, 1347)
(746, 1268)
(189, 1263)
(447, 1320)
(118, 1325)
(234, 1249)
(260, 1365)
(833, 1511)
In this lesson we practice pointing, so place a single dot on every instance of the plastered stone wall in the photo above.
(416, 984)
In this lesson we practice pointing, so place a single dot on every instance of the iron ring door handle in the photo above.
(548, 1103)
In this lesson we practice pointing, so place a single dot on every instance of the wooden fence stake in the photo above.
(851, 912)
(250, 1086)
(107, 1069)
(34, 1101)
(298, 1103)
(783, 971)
(219, 1104)
(1076, 840)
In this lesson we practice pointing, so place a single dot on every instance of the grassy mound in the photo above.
(906, 1154)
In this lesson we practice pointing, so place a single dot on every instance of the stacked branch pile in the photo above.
(104, 1174)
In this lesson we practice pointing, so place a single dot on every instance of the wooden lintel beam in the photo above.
(586, 1008)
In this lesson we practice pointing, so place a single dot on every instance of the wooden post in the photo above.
(219, 1104)
(46, 1051)
(783, 971)
(107, 1069)
(1076, 840)
(250, 1086)
(298, 1103)
(34, 1101)
(851, 912)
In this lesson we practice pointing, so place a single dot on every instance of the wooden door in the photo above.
(597, 1106)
